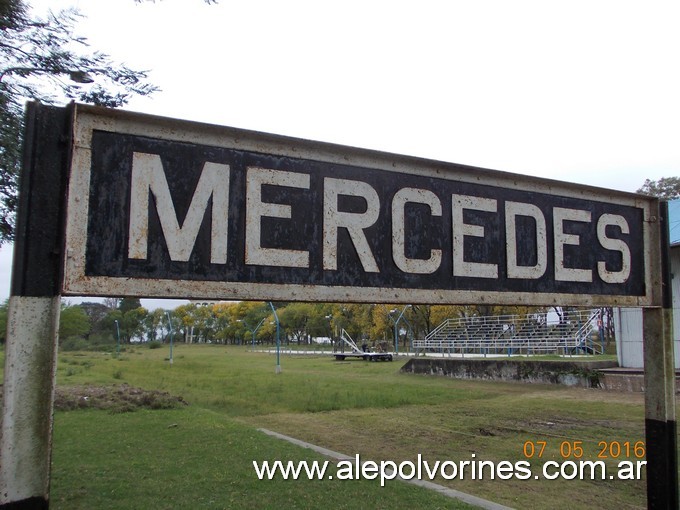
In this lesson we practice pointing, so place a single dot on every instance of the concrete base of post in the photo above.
(26, 431)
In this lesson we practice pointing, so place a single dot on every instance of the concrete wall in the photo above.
(570, 373)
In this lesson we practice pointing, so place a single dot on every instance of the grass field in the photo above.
(200, 456)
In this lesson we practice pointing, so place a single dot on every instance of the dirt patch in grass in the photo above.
(117, 399)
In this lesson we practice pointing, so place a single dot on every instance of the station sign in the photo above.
(165, 208)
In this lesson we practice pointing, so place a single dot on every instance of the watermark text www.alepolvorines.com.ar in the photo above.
(472, 469)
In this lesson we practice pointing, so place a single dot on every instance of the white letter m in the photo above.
(148, 176)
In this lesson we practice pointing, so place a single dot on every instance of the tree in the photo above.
(224, 323)
(198, 321)
(43, 59)
(153, 323)
(132, 324)
(3, 321)
(318, 324)
(127, 304)
(294, 318)
(111, 303)
(184, 319)
(131, 321)
(250, 314)
(96, 312)
(73, 322)
(666, 187)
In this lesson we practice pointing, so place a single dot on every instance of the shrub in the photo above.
(74, 343)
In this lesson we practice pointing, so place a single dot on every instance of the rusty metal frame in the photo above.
(88, 119)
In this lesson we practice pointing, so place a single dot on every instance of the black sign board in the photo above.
(165, 208)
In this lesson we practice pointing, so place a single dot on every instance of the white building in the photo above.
(628, 321)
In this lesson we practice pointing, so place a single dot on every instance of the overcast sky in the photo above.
(581, 91)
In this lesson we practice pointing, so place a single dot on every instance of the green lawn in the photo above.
(194, 458)
(201, 456)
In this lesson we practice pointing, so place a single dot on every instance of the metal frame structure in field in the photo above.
(355, 352)
(115, 203)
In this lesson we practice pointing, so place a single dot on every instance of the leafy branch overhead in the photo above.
(43, 59)
(666, 187)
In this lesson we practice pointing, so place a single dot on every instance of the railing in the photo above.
(537, 333)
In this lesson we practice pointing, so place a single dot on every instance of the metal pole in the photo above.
(410, 328)
(660, 421)
(278, 339)
(170, 326)
(396, 331)
(255, 330)
(33, 315)
(252, 331)
(117, 339)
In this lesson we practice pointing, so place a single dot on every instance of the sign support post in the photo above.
(659, 362)
(33, 318)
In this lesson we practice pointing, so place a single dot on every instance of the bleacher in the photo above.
(573, 332)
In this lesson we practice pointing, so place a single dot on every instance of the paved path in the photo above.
(444, 491)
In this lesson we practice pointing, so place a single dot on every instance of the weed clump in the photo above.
(116, 399)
